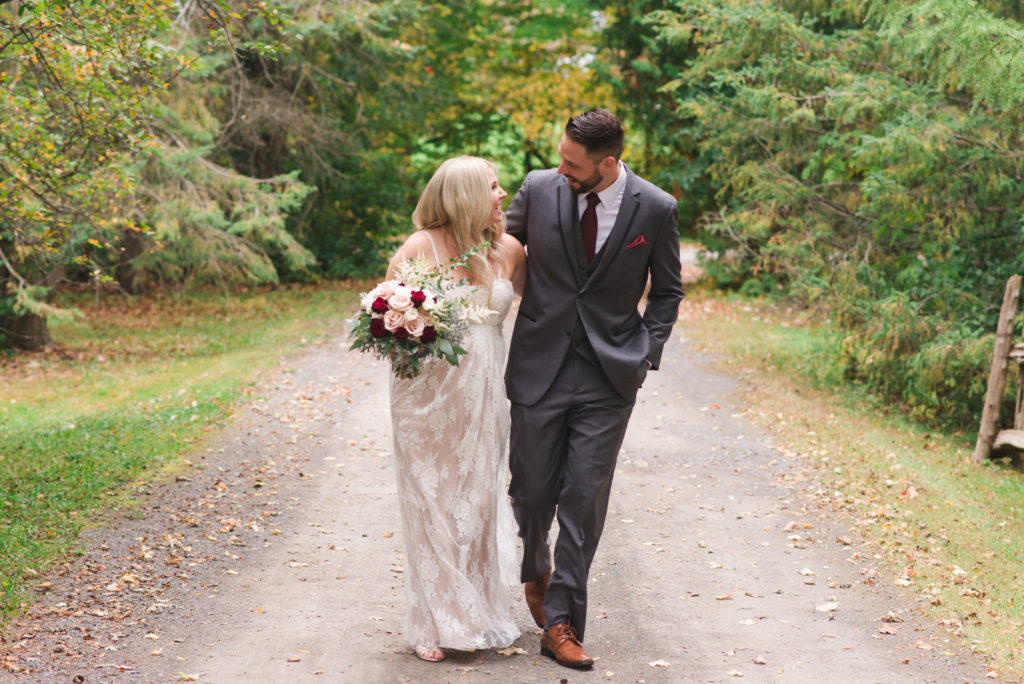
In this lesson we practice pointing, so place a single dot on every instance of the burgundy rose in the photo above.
(417, 298)
(400, 333)
(428, 334)
(380, 305)
(377, 327)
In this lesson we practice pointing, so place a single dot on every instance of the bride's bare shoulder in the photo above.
(511, 246)
(415, 246)
(418, 244)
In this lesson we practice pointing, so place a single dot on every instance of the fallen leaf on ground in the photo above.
(511, 651)
(660, 663)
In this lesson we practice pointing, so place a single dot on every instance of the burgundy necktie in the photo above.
(588, 226)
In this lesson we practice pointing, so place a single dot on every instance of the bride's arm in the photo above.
(515, 262)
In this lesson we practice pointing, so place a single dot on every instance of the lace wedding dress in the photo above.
(450, 428)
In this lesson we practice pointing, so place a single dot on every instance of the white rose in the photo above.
(412, 314)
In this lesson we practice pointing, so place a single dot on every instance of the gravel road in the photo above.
(275, 557)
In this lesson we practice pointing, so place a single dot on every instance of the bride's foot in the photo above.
(431, 654)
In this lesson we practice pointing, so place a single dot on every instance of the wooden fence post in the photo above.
(997, 374)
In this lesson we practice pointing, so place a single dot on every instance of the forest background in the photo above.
(859, 160)
(862, 158)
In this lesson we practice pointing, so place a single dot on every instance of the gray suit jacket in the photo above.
(562, 289)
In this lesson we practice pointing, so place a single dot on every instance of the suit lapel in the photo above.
(627, 212)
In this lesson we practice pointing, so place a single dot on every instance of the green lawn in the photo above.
(127, 391)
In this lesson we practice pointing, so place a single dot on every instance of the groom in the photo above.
(594, 233)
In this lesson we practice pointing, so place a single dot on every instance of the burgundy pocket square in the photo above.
(639, 242)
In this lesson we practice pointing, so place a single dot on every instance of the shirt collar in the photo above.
(609, 194)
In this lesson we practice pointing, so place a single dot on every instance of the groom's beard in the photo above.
(581, 186)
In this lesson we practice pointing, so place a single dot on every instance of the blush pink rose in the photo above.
(415, 327)
(400, 301)
(393, 320)
(385, 289)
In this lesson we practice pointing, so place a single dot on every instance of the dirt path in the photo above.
(276, 558)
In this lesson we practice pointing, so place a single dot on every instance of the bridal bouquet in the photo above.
(417, 315)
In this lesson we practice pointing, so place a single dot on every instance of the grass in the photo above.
(950, 531)
(124, 394)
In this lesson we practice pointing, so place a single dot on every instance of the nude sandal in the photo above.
(431, 654)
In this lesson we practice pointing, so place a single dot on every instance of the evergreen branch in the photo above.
(960, 45)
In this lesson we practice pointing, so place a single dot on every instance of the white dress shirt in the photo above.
(608, 209)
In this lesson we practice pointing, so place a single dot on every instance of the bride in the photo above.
(451, 425)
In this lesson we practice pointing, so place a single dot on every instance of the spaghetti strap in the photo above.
(437, 259)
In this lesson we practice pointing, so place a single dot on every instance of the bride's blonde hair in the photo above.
(458, 200)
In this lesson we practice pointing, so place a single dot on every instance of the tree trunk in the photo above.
(25, 331)
(133, 244)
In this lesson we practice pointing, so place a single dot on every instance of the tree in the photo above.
(71, 107)
(638, 61)
(82, 83)
(370, 97)
(865, 159)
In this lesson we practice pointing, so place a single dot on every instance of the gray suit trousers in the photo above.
(563, 454)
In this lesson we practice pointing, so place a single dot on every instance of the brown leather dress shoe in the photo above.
(535, 591)
(560, 642)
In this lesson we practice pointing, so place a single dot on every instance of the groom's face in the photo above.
(582, 172)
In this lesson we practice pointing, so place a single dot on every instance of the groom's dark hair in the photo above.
(599, 131)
